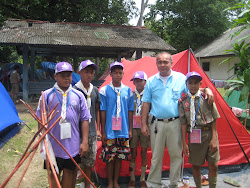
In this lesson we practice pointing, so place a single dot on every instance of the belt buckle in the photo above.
(165, 120)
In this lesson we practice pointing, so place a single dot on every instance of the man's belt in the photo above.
(166, 120)
(204, 128)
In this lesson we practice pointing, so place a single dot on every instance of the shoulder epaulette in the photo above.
(183, 98)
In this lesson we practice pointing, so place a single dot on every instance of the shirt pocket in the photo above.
(176, 94)
(207, 118)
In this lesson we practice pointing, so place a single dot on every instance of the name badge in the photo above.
(195, 136)
(136, 122)
(65, 130)
(116, 123)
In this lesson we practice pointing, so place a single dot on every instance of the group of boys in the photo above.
(118, 110)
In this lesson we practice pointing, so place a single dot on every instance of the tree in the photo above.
(192, 23)
(143, 7)
(94, 11)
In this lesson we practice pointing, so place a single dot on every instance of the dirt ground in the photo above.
(35, 175)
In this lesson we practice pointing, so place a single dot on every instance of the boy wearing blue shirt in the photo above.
(117, 106)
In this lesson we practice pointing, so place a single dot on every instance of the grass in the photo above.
(222, 91)
(9, 158)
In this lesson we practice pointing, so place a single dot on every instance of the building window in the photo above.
(236, 68)
(206, 66)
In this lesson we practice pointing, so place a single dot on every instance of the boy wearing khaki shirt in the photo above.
(198, 119)
(139, 79)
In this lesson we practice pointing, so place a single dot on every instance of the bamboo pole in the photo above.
(26, 156)
(35, 147)
(51, 164)
(48, 158)
(31, 110)
(26, 168)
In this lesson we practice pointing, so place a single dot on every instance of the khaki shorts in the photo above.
(14, 88)
(90, 157)
(137, 137)
(200, 152)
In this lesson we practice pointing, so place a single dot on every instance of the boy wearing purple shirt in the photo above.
(72, 108)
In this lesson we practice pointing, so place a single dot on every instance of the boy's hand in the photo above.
(209, 96)
(186, 150)
(104, 138)
(213, 146)
(84, 148)
(99, 135)
(130, 134)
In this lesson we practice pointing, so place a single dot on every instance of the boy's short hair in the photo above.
(87, 63)
(140, 75)
(63, 67)
(193, 75)
(116, 64)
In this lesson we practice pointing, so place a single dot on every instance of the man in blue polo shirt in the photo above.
(163, 91)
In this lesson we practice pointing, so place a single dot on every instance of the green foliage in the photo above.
(188, 23)
(242, 51)
(8, 54)
(94, 11)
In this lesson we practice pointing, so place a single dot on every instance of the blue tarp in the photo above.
(49, 68)
(8, 112)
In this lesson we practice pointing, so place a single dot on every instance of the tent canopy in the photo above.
(227, 126)
(8, 112)
(8, 116)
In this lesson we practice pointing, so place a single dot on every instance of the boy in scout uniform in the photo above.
(198, 119)
(139, 80)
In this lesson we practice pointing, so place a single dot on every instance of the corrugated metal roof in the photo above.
(224, 42)
(78, 34)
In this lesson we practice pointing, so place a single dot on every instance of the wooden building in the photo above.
(40, 38)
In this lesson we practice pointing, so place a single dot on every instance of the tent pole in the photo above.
(196, 58)
(189, 53)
